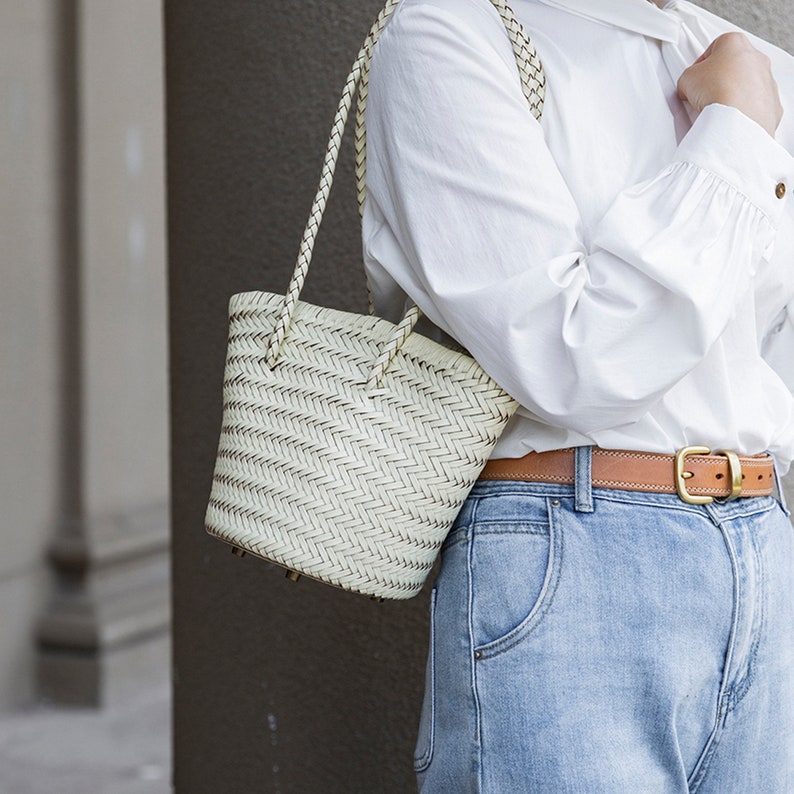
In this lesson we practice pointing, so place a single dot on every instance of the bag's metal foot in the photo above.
(237, 551)
(293, 576)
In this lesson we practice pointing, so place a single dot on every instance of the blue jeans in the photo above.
(607, 641)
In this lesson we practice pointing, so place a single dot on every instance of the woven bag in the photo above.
(348, 443)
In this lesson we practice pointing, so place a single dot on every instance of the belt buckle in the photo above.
(681, 475)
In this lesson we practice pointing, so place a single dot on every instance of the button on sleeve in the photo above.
(478, 226)
(731, 146)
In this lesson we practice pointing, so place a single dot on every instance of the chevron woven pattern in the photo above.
(351, 483)
(348, 444)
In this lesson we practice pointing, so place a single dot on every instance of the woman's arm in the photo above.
(587, 336)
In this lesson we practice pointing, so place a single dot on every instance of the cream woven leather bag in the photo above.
(348, 443)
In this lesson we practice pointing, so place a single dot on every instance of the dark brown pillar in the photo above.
(279, 687)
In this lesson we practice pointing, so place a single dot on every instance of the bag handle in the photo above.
(530, 69)
(533, 84)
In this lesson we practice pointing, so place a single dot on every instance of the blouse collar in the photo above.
(640, 16)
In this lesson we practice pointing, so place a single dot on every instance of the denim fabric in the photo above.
(646, 646)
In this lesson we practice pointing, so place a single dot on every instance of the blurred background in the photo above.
(270, 686)
(84, 595)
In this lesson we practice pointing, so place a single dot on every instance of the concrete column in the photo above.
(279, 687)
(31, 259)
(105, 629)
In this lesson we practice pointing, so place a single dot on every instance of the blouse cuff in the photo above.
(737, 150)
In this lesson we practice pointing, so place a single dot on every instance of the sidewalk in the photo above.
(124, 749)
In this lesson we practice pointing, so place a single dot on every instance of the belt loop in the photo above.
(583, 486)
(781, 494)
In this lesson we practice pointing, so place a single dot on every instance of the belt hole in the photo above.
(720, 476)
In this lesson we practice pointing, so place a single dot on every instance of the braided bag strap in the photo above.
(533, 84)
(530, 70)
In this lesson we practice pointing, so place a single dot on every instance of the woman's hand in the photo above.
(733, 72)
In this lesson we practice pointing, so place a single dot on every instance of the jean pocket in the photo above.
(515, 567)
(425, 740)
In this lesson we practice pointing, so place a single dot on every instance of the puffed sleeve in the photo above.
(476, 224)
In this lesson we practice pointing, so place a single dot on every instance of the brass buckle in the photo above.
(735, 469)
(681, 475)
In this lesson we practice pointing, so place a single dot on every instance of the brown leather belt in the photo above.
(695, 474)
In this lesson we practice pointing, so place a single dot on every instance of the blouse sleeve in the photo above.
(778, 347)
(491, 242)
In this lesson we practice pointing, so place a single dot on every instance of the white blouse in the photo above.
(625, 268)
